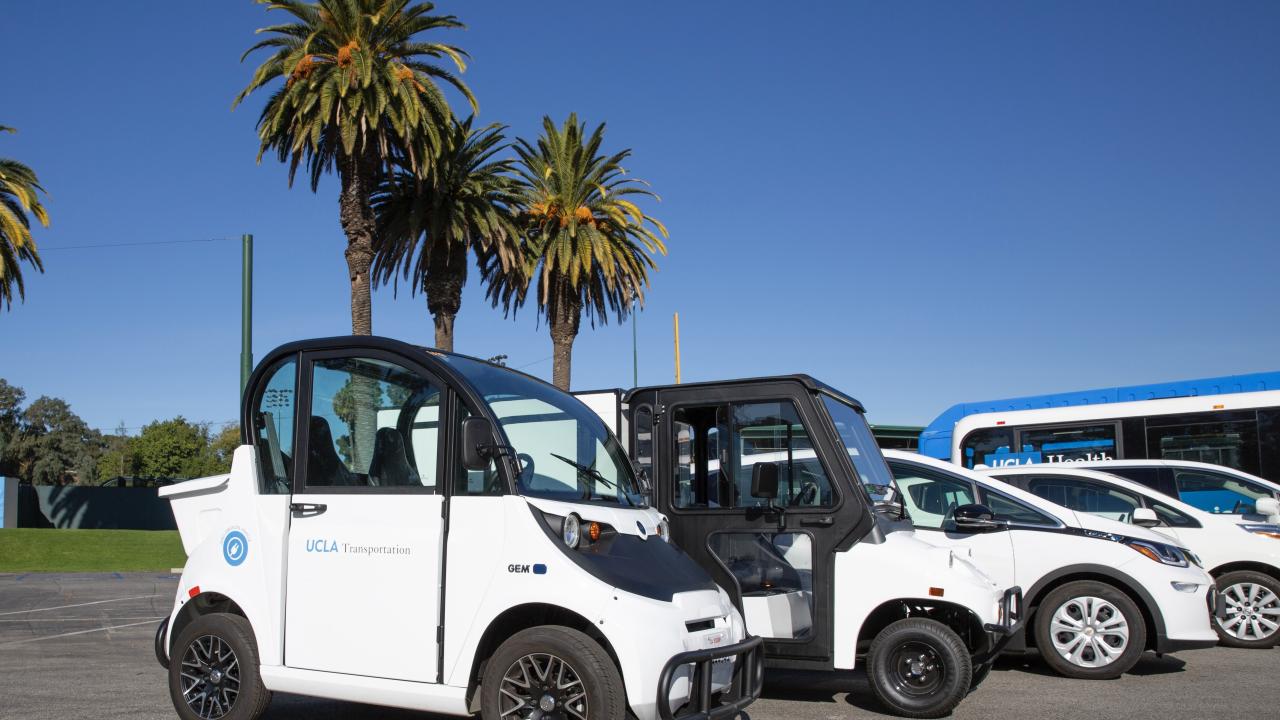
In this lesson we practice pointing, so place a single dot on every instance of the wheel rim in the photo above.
(1252, 612)
(917, 668)
(1089, 632)
(210, 675)
(542, 685)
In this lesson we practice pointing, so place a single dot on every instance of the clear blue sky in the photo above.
(920, 203)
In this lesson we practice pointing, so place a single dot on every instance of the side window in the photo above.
(643, 447)
(1012, 511)
(1217, 492)
(273, 428)
(987, 446)
(930, 497)
(1229, 439)
(373, 425)
(1086, 496)
(478, 482)
(1066, 444)
(1172, 517)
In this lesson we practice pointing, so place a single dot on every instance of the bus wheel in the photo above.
(552, 672)
(213, 670)
(919, 668)
(1252, 615)
(1090, 630)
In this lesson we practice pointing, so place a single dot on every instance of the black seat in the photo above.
(390, 465)
(324, 467)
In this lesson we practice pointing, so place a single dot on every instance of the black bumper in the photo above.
(999, 635)
(748, 681)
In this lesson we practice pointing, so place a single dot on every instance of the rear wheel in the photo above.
(1252, 616)
(919, 668)
(1090, 630)
(213, 670)
(553, 673)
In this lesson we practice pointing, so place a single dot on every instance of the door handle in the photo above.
(824, 521)
(305, 510)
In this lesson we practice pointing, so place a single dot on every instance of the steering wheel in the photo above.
(526, 468)
(808, 493)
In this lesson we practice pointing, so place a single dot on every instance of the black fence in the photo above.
(90, 508)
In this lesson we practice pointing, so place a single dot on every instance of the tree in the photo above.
(586, 246)
(428, 226)
(221, 449)
(358, 91)
(19, 198)
(172, 448)
(11, 399)
(54, 446)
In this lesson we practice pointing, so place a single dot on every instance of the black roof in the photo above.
(808, 381)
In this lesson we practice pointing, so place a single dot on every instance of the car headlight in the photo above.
(1271, 531)
(577, 533)
(571, 531)
(1161, 553)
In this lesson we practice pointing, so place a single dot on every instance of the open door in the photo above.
(771, 544)
(367, 528)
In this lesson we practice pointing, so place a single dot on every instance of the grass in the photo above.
(32, 550)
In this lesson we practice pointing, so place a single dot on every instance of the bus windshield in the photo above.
(565, 452)
(873, 473)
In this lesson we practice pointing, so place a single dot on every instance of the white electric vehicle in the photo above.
(422, 530)
(761, 481)
(1098, 592)
(1243, 558)
(1212, 488)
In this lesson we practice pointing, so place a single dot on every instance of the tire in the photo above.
(1090, 630)
(541, 653)
(217, 652)
(919, 668)
(980, 673)
(1252, 599)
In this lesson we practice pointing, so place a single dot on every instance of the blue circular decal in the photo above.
(235, 548)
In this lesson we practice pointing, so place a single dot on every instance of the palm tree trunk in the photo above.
(564, 313)
(446, 274)
(356, 214)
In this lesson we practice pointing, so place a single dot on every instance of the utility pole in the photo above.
(246, 311)
(635, 354)
(677, 327)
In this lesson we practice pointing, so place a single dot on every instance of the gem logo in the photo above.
(235, 548)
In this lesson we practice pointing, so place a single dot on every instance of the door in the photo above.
(363, 591)
(931, 496)
(775, 560)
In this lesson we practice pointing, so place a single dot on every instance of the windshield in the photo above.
(565, 452)
(861, 446)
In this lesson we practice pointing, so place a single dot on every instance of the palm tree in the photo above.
(426, 226)
(587, 247)
(18, 198)
(358, 91)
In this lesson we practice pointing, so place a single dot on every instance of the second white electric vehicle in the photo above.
(761, 481)
(1243, 558)
(1212, 488)
(1098, 592)
(422, 530)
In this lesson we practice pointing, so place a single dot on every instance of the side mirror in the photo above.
(1269, 507)
(477, 437)
(764, 481)
(1145, 517)
(976, 518)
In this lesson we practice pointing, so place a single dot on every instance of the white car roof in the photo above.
(1188, 464)
(1105, 477)
(1063, 514)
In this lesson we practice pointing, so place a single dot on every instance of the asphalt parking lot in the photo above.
(79, 646)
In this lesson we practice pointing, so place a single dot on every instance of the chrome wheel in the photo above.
(1252, 612)
(1089, 632)
(210, 677)
(542, 686)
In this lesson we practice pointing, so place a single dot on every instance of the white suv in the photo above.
(1099, 592)
(1243, 557)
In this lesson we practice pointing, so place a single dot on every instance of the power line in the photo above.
(133, 244)
(535, 362)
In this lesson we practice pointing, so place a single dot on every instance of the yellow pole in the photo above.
(677, 323)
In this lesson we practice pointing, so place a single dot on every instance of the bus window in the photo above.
(1065, 444)
(988, 446)
(1206, 437)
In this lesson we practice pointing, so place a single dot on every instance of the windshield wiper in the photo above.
(587, 470)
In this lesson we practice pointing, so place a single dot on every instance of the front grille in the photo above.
(694, 626)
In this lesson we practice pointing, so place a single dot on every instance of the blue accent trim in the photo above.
(235, 548)
(1077, 444)
(539, 569)
(935, 441)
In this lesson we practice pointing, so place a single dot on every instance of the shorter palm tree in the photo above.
(428, 226)
(19, 198)
(587, 246)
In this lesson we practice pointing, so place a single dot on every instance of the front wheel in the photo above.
(919, 668)
(554, 673)
(1252, 615)
(213, 670)
(1090, 630)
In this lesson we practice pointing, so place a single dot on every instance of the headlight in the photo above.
(571, 531)
(1271, 531)
(578, 533)
(1161, 553)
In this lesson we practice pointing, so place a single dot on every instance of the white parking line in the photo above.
(64, 607)
(79, 619)
(77, 632)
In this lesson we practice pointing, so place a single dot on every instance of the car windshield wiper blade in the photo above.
(587, 470)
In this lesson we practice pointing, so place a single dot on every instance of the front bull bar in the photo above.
(745, 688)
